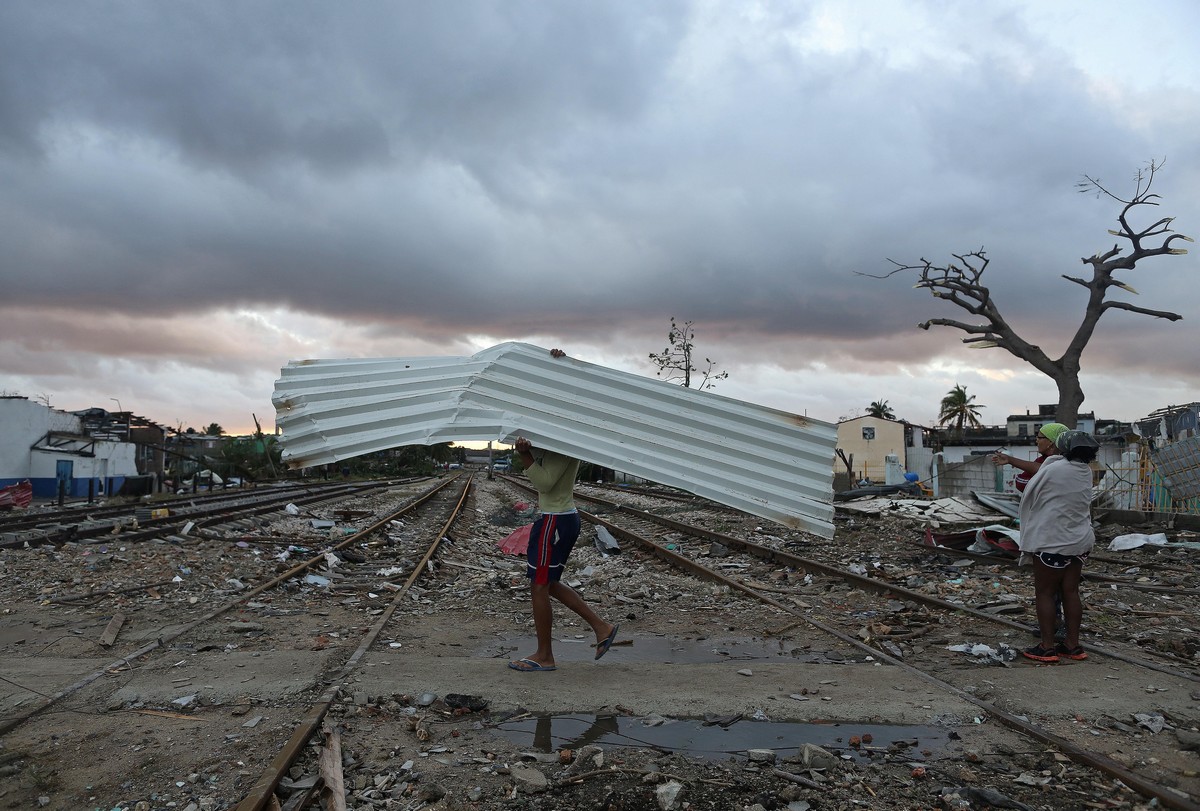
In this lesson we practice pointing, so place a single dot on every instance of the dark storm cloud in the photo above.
(433, 170)
(241, 87)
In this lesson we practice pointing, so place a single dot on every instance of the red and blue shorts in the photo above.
(551, 540)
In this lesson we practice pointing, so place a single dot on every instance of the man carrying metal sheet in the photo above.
(550, 542)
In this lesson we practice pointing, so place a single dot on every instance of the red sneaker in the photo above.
(1040, 654)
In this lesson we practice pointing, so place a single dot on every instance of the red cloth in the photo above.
(517, 542)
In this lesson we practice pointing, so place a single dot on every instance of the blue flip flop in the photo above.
(602, 647)
(530, 666)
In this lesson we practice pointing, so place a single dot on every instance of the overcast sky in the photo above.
(193, 194)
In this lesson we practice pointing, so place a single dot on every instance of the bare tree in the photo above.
(675, 361)
(961, 284)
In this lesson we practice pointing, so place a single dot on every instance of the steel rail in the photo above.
(10, 723)
(201, 515)
(263, 790)
(787, 558)
(1164, 795)
(26, 519)
(1096, 576)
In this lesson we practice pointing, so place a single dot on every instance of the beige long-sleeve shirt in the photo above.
(553, 475)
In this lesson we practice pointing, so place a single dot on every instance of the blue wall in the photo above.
(47, 488)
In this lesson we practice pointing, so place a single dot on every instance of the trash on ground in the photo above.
(1000, 654)
(1134, 540)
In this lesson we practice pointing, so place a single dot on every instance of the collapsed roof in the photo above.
(770, 463)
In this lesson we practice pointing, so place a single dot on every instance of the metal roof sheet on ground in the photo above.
(936, 512)
(1007, 503)
(770, 463)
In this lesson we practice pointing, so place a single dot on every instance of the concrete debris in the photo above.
(669, 795)
(528, 779)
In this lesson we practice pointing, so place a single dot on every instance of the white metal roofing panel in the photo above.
(770, 463)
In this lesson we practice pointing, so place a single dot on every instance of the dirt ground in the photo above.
(698, 706)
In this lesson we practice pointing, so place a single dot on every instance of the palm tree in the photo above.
(881, 409)
(959, 410)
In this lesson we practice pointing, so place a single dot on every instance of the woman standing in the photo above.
(1056, 536)
(1026, 467)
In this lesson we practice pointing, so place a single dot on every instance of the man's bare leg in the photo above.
(571, 599)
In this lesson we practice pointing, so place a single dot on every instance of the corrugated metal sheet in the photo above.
(769, 463)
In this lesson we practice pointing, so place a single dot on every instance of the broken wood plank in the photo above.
(330, 762)
(796, 778)
(466, 566)
(71, 598)
(161, 714)
(110, 633)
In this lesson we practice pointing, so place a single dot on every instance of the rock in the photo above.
(1188, 741)
(528, 779)
(587, 758)
(761, 755)
(667, 795)
(242, 627)
(432, 792)
(814, 757)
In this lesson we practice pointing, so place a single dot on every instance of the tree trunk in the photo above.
(1070, 397)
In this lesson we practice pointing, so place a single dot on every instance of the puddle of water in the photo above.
(673, 650)
(690, 736)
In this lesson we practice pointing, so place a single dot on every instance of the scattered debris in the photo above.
(1001, 654)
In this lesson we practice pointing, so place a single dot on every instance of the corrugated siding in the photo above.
(769, 463)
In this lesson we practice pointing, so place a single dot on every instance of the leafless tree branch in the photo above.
(961, 283)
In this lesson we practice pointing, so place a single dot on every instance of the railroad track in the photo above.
(876, 615)
(1153, 583)
(192, 598)
(136, 522)
(298, 675)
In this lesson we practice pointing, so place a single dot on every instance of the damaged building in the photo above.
(77, 455)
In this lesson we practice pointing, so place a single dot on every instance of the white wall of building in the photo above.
(24, 424)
